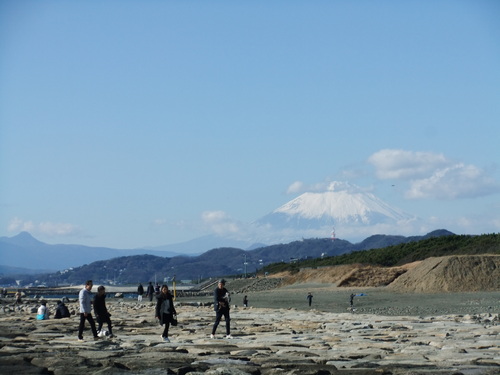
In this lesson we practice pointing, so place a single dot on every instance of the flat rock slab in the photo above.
(265, 342)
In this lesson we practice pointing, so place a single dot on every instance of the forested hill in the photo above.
(405, 252)
(292, 256)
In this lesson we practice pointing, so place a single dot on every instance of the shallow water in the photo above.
(379, 301)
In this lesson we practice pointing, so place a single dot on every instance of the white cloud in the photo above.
(220, 223)
(456, 181)
(299, 187)
(404, 165)
(159, 222)
(295, 187)
(44, 228)
(18, 225)
(432, 175)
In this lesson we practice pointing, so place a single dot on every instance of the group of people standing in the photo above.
(165, 312)
(151, 291)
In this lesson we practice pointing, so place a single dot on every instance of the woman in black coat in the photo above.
(165, 310)
(100, 310)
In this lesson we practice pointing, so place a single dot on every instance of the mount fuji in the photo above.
(342, 209)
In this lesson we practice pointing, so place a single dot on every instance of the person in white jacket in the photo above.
(85, 299)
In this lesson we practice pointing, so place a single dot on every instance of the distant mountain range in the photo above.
(26, 252)
(213, 263)
(344, 211)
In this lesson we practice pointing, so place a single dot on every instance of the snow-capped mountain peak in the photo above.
(341, 206)
(352, 211)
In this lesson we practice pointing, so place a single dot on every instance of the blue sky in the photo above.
(134, 123)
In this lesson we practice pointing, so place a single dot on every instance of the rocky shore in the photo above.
(289, 338)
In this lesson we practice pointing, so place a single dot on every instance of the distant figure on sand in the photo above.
(310, 298)
(85, 300)
(18, 298)
(165, 311)
(221, 307)
(61, 311)
(43, 311)
(150, 291)
(140, 292)
(101, 312)
(245, 301)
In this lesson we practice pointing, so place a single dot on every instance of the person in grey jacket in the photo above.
(85, 299)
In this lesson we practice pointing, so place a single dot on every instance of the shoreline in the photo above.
(327, 298)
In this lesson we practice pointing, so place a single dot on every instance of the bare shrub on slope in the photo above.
(351, 275)
(371, 276)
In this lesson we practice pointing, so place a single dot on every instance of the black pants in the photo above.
(167, 318)
(104, 319)
(82, 325)
(218, 316)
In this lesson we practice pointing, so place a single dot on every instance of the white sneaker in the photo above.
(212, 336)
(229, 337)
(165, 339)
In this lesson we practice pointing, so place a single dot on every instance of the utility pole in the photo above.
(175, 291)
(245, 264)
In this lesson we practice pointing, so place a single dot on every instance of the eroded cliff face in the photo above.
(456, 273)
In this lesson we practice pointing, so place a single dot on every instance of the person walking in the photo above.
(150, 291)
(165, 311)
(85, 300)
(245, 301)
(351, 301)
(310, 298)
(18, 296)
(221, 307)
(102, 314)
(140, 292)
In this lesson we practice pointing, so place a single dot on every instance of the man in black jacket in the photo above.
(221, 307)
(150, 291)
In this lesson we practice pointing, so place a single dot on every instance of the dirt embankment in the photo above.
(456, 273)
(465, 273)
